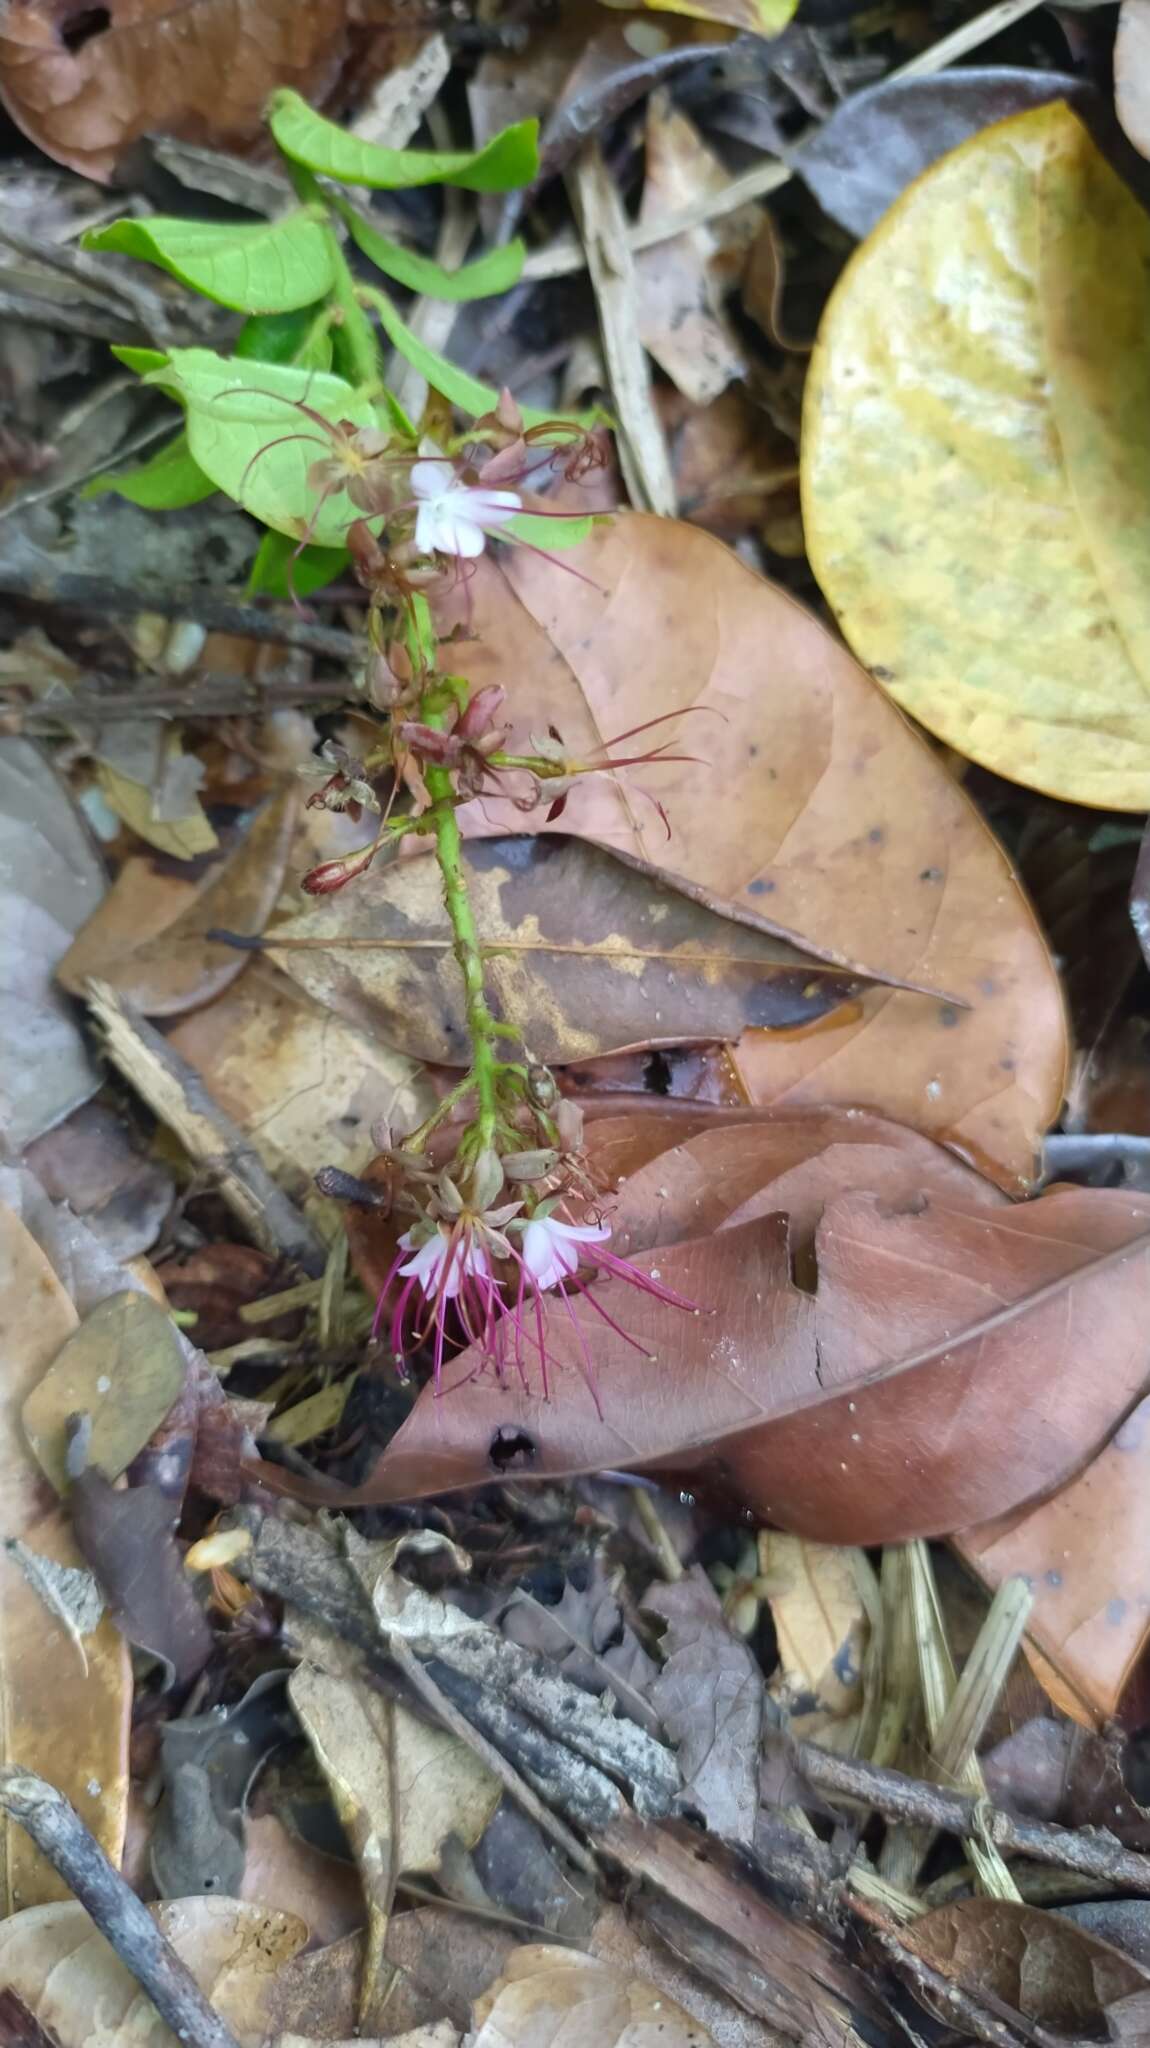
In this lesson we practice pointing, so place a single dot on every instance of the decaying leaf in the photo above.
(939, 1361)
(821, 1625)
(680, 283)
(400, 1788)
(710, 1698)
(859, 160)
(143, 69)
(1084, 1552)
(551, 1995)
(69, 1976)
(974, 455)
(68, 1722)
(1037, 1964)
(814, 805)
(1051, 1770)
(307, 1086)
(52, 880)
(127, 1538)
(587, 956)
(160, 802)
(123, 1368)
(166, 970)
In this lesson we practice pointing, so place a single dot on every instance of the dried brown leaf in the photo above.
(202, 71)
(127, 1538)
(1038, 1964)
(65, 1722)
(815, 801)
(123, 1367)
(710, 1698)
(549, 1996)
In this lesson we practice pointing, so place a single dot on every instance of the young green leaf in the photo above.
(279, 571)
(141, 360)
(302, 336)
(495, 272)
(464, 391)
(508, 160)
(251, 428)
(167, 481)
(549, 531)
(268, 267)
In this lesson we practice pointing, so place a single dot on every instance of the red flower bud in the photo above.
(331, 875)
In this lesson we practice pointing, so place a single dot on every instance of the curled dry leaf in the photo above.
(813, 803)
(550, 1995)
(681, 283)
(938, 1363)
(144, 68)
(816, 1603)
(175, 967)
(58, 1718)
(67, 1974)
(588, 956)
(974, 456)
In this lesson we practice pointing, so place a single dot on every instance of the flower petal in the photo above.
(431, 478)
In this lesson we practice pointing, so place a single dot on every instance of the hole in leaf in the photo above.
(79, 28)
(511, 1447)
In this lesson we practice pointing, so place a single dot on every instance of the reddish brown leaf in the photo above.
(938, 1365)
(1085, 1553)
(1050, 1770)
(815, 802)
(83, 83)
(1037, 1964)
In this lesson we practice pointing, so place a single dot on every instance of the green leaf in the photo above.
(495, 272)
(549, 530)
(267, 267)
(141, 360)
(278, 571)
(508, 160)
(301, 336)
(168, 480)
(464, 391)
(246, 431)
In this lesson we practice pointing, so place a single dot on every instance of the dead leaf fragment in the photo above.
(821, 1625)
(127, 1538)
(147, 70)
(815, 806)
(68, 1723)
(681, 282)
(549, 1996)
(986, 428)
(710, 1698)
(123, 1368)
(1038, 1964)
(588, 956)
(67, 1974)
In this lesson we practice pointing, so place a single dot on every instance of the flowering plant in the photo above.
(300, 427)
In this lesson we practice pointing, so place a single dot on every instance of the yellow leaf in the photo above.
(184, 838)
(976, 456)
(750, 17)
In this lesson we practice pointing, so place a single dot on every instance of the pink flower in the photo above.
(442, 1262)
(455, 518)
(550, 1251)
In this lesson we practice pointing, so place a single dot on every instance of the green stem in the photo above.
(354, 322)
(483, 1029)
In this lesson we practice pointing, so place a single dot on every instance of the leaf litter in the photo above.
(392, 1689)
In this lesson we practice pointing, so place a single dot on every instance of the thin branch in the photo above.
(60, 1835)
(203, 696)
(99, 599)
(1093, 1852)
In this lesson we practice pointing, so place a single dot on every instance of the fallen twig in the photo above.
(60, 1835)
(206, 696)
(91, 594)
(1094, 1852)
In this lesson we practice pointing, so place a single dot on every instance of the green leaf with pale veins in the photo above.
(510, 159)
(167, 481)
(251, 428)
(267, 267)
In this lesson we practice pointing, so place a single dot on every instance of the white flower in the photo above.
(430, 1259)
(550, 1248)
(455, 518)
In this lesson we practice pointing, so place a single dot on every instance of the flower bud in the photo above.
(331, 875)
(486, 1179)
(530, 1165)
(569, 1124)
(542, 1089)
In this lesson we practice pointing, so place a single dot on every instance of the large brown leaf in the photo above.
(83, 84)
(934, 1377)
(817, 803)
(589, 957)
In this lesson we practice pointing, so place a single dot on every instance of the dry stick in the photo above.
(565, 256)
(60, 1835)
(99, 599)
(1093, 1852)
(176, 1092)
(203, 696)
